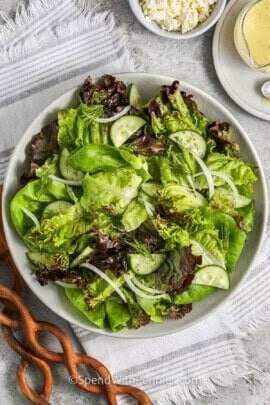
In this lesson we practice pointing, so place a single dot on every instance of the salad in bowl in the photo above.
(136, 208)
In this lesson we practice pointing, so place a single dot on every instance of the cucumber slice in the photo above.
(66, 170)
(190, 140)
(87, 252)
(124, 128)
(214, 276)
(151, 189)
(55, 208)
(134, 96)
(143, 265)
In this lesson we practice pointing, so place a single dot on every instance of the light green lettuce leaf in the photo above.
(180, 199)
(113, 189)
(173, 234)
(224, 201)
(67, 132)
(233, 238)
(242, 174)
(99, 290)
(93, 158)
(134, 215)
(59, 232)
(138, 315)
(156, 309)
(194, 293)
(49, 261)
(247, 213)
(34, 196)
(170, 123)
(136, 161)
(78, 128)
(97, 315)
(117, 313)
(198, 118)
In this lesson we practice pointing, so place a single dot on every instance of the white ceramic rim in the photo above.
(225, 84)
(139, 334)
(200, 29)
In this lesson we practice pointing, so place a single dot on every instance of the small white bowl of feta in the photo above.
(178, 19)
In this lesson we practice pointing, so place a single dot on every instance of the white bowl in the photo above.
(54, 296)
(200, 29)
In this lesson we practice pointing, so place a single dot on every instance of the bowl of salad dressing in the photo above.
(252, 35)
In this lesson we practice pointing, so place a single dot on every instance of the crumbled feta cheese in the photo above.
(177, 15)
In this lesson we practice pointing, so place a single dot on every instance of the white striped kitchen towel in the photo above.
(47, 49)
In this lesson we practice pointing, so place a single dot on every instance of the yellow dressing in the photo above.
(256, 30)
(265, 102)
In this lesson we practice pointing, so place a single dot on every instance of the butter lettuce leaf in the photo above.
(180, 199)
(194, 293)
(154, 308)
(77, 126)
(99, 290)
(59, 232)
(134, 215)
(242, 174)
(117, 313)
(34, 196)
(97, 315)
(138, 315)
(93, 158)
(114, 190)
(233, 238)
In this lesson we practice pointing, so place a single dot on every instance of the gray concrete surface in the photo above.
(191, 61)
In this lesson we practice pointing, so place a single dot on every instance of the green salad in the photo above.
(136, 208)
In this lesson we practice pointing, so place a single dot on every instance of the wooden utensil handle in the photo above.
(35, 353)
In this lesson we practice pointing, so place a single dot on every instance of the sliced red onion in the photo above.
(31, 216)
(66, 285)
(100, 273)
(206, 172)
(114, 117)
(143, 287)
(64, 181)
(138, 292)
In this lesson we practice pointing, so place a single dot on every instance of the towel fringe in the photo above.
(256, 320)
(206, 386)
(88, 19)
